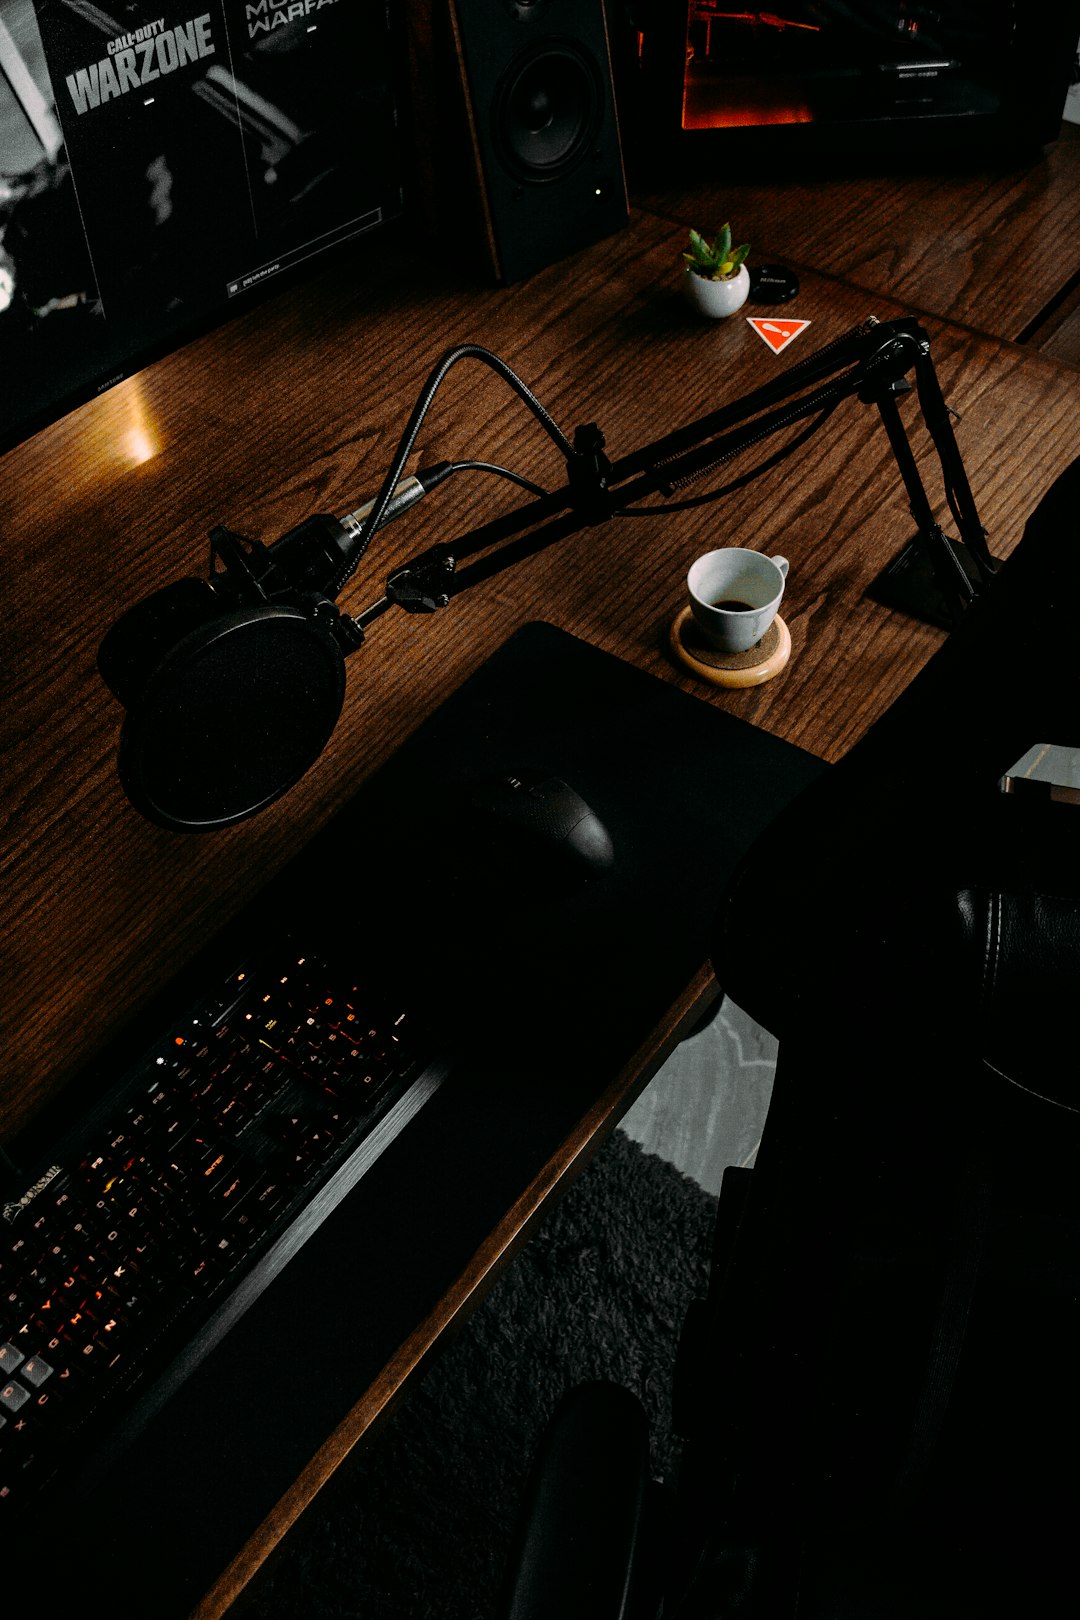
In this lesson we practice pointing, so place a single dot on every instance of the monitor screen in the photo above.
(854, 80)
(824, 60)
(161, 161)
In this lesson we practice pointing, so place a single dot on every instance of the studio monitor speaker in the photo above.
(516, 126)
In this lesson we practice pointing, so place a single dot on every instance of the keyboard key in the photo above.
(13, 1396)
(35, 1371)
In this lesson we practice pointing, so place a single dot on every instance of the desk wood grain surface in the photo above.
(296, 408)
(994, 247)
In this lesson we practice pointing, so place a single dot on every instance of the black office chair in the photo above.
(879, 1396)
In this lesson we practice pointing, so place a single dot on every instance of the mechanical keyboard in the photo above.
(150, 1227)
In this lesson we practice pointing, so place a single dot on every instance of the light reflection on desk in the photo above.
(139, 437)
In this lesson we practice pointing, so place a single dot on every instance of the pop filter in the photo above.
(226, 710)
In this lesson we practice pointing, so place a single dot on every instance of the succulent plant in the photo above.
(718, 261)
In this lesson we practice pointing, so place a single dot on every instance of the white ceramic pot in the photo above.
(715, 298)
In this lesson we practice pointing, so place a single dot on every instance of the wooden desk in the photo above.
(296, 408)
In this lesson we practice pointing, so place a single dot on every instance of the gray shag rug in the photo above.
(420, 1523)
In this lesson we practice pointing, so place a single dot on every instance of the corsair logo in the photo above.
(13, 1210)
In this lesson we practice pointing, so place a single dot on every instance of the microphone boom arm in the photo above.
(877, 356)
(209, 740)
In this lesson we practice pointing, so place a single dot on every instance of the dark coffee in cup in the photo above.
(730, 604)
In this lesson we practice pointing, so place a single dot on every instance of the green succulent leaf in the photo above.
(714, 261)
(717, 261)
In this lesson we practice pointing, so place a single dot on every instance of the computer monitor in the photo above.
(845, 79)
(161, 163)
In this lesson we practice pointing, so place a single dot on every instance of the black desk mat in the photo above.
(682, 786)
(549, 993)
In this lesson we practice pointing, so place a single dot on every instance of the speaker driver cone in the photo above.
(547, 110)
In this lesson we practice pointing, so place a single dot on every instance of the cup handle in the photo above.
(781, 563)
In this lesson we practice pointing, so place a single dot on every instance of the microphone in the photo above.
(233, 684)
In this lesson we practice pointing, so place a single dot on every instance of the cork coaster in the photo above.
(751, 668)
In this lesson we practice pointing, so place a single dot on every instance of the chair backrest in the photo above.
(890, 1406)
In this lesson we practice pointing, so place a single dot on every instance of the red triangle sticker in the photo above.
(776, 333)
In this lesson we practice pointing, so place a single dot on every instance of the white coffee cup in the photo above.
(721, 579)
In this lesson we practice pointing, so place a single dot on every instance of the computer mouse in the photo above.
(533, 817)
